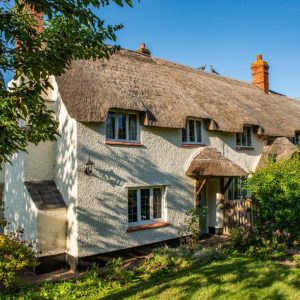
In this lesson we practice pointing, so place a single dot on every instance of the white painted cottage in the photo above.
(155, 132)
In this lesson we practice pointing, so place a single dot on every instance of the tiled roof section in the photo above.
(45, 195)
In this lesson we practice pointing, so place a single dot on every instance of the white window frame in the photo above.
(151, 220)
(187, 128)
(241, 137)
(127, 140)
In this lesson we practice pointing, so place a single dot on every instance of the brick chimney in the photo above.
(260, 74)
(143, 50)
(39, 17)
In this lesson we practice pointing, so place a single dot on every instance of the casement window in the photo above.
(193, 132)
(145, 205)
(244, 139)
(122, 126)
(237, 190)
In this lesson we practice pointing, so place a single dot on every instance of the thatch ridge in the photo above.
(170, 93)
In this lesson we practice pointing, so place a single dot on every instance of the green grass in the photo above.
(236, 278)
(233, 278)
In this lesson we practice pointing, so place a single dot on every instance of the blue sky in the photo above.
(224, 33)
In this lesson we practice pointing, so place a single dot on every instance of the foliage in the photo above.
(252, 242)
(72, 31)
(15, 255)
(191, 228)
(115, 271)
(231, 278)
(275, 191)
(297, 260)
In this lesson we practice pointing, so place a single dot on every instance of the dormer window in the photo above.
(244, 139)
(193, 132)
(121, 126)
(295, 140)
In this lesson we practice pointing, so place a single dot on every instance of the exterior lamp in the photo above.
(89, 167)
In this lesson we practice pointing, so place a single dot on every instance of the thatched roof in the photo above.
(279, 149)
(210, 162)
(168, 93)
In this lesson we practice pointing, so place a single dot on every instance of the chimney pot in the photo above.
(143, 50)
(260, 73)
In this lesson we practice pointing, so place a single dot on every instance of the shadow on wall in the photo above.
(20, 211)
(106, 217)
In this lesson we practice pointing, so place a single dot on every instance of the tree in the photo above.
(275, 191)
(72, 31)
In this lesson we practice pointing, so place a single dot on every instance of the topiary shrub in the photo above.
(275, 191)
(15, 255)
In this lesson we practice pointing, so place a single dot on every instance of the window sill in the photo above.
(147, 226)
(244, 148)
(192, 145)
(118, 143)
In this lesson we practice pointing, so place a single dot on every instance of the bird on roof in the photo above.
(212, 70)
(202, 68)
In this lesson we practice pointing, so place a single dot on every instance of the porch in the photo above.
(213, 174)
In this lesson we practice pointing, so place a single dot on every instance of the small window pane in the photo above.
(248, 136)
(121, 126)
(132, 206)
(238, 139)
(145, 204)
(199, 131)
(184, 132)
(191, 131)
(110, 125)
(157, 203)
(133, 127)
(244, 138)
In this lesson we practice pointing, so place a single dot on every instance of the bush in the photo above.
(191, 228)
(115, 271)
(275, 191)
(248, 240)
(15, 255)
(297, 260)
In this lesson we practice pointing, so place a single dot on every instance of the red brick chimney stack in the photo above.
(39, 17)
(260, 74)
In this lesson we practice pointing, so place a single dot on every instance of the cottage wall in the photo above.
(66, 170)
(102, 197)
(20, 211)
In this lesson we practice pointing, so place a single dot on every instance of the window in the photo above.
(295, 140)
(192, 133)
(145, 205)
(122, 126)
(236, 190)
(244, 139)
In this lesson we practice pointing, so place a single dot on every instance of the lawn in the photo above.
(235, 278)
(232, 278)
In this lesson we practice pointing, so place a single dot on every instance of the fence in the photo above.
(237, 213)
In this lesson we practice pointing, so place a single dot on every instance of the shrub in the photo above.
(247, 239)
(275, 191)
(115, 271)
(243, 237)
(191, 228)
(15, 255)
(297, 260)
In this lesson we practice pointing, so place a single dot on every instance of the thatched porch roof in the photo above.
(210, 162)
(279, 149)
(167, 93)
